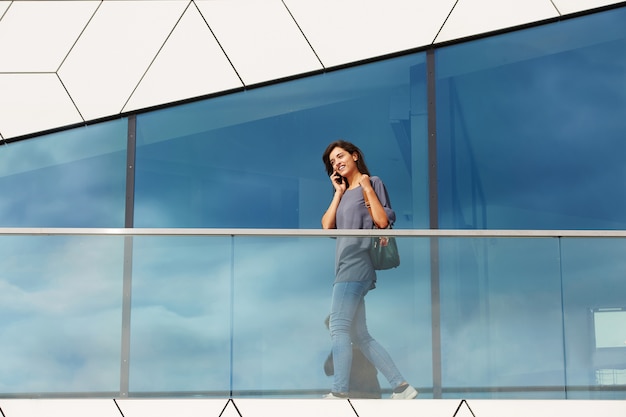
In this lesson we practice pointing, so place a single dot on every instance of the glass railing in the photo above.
(241, 313)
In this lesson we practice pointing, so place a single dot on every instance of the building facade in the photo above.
(207, 120)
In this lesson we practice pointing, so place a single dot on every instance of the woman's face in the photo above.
(343, 162)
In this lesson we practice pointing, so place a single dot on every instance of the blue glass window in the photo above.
(531, 128)
(253, 159)
(75, 178)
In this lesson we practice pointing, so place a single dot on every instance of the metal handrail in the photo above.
(34, 231)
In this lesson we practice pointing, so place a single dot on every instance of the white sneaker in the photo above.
(334, 396)
(407, 394)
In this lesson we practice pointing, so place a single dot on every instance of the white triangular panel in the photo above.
(396, 408)
(190, 64)
(260, 38)
(351, 30)
(59, 407)
(33, 102)
(114, 52)
(547, 408)
(289, 407)
(574, 6)
(473, 17)
(36, 36)
(199, 407)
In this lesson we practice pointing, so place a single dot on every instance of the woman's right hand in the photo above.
(329, 217)
(339, 182)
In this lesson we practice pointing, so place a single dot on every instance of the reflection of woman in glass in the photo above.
(363, 375)
(355, 275)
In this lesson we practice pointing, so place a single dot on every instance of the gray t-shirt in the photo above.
(352, 260)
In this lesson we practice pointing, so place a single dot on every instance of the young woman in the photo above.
(354, 273)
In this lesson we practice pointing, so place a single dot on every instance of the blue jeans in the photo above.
(347, 327)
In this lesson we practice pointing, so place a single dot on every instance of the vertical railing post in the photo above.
(434, 222)
(128, 257)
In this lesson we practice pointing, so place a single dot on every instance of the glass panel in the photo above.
(184, 315)
(60, 314)
(282, 289)
(282, 297)
(530, 128)
(253, 159)
(501, 318)
(594, 298)
(181, 315)
(535, 318)
(75, 178)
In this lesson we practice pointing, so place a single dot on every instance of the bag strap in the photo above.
(367, 203)
(369, 208)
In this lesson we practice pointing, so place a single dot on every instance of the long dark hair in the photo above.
(351, 149)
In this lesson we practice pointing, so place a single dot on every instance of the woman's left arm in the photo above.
(378, 211)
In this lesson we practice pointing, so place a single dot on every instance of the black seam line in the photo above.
(230, 400)
(461, 405)
(219, 44)
(224, 408)
(4, 14)
(118, 407)
(79, 36)
(70, 97)
(353, 409)
(444, 21)
(301, 31)
(155, 57)
(556, 8)
(468, 407)
(458, 407)
(68, 54)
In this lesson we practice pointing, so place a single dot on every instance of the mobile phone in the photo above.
(338, 179)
